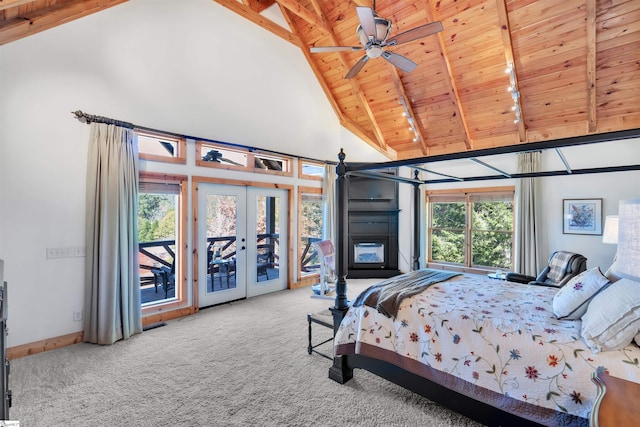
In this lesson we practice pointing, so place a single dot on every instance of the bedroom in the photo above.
(46, 76)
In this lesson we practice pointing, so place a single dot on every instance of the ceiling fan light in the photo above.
(362, 36)
(383, 28)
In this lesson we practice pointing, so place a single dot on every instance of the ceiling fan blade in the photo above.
(416, 33)
(318, 49)
(405, 64)
(367, 20)
(356, 68)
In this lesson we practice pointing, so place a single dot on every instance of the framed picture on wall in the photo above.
(582, 216)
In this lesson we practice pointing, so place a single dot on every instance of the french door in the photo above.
(242, 239)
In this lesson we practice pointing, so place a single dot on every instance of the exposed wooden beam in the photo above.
(314, 19)
(357, 130)
(402, 93)
(258, 5)
(44, 19)
(591, 65)
(505, 30)
(379, 141)
(451, 84)
(5, 4)
(260, 20)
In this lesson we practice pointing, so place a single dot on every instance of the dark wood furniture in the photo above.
(342, 369)
(616, 404)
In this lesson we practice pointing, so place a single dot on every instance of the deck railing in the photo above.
(267, 243)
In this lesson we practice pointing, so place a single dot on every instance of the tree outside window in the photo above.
(472, 229)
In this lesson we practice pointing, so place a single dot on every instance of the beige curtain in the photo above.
(527, 257)
(329, 201)
(112, 294)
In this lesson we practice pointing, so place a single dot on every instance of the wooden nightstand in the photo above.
(616, 403)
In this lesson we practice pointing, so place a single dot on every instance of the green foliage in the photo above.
(491, 233)
(156, 217)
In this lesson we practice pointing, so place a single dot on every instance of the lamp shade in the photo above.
(610, 233)
(628, 258)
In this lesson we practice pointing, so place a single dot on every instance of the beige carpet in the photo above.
(238, 364)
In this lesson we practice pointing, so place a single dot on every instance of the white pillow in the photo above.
(573, 298)
(612, 274)
(612, 319)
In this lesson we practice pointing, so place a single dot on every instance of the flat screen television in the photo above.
(371, 189)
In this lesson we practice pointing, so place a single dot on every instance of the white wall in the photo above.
(190, 67)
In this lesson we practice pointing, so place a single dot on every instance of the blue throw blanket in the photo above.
(387, 295)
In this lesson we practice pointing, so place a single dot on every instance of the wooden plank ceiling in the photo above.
(576, 65)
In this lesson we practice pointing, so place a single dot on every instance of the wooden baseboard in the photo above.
(28, 349)
(167, 315)
(44, 345)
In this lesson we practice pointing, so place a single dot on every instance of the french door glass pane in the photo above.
(268, 233)
(221, 242)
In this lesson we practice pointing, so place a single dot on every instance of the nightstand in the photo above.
(616, 403)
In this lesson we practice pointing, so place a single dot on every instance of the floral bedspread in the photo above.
(493, 335)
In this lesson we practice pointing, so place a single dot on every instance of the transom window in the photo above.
(220, 156)
(161, 148)
(471, 228)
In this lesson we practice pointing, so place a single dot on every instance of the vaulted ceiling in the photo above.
(576, 66)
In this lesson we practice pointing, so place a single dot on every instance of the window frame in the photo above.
(311, 278)
(303, 175)
(468, 196)
(251, 155)
(181, 148)
(151, 313)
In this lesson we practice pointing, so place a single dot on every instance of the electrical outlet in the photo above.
(53, 253)
(77, 315)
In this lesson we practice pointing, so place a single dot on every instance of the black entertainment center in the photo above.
(373, 226)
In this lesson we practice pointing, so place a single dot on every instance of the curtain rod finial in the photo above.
(80, 116)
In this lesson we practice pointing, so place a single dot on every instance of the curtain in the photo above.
(329, 201)
(112, 278)
(527, 257)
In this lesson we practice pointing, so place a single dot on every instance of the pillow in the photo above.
(612, 319)
(611, 273)
(572, 300)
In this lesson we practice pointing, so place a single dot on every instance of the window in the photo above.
(310, 170)
(471, 228)
(161, 148)
(220, 156)
(161, 228)
(309, 229)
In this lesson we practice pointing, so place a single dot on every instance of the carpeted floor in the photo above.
(238, 364)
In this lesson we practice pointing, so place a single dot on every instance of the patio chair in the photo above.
(326, 253)
(166, 277)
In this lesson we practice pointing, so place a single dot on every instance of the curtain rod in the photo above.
(91, 118)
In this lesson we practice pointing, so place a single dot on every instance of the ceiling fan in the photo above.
(372, 33)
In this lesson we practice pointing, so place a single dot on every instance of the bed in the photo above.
(492, 350)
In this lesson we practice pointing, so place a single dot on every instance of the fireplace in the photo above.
(373, 226)
(369, 253)
(373, 244)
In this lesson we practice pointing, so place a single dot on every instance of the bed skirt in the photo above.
(478, 403)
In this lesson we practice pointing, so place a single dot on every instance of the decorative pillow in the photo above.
(612, 319)
(572, 300)
(612, 274)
